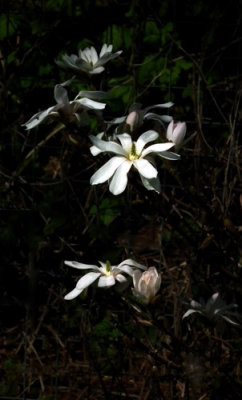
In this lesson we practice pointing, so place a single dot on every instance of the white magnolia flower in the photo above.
(128, 154)
(65, 111)
(88, 59)
(176, 132)
(146, 284)
(105, 276)
(214, 309)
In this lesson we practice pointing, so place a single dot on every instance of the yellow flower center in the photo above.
(108, 268)
(133, 155)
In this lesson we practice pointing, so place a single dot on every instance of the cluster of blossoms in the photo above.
(146, 284)
(125, 154)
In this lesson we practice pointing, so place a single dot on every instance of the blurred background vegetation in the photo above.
(100, 346)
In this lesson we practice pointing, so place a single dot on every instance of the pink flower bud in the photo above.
(132, 119)
(176, 132)
(146, 284)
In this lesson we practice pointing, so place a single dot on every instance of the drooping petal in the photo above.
(71, 295)
(120, 178)
(132, 263)
(145, 168)
(189, 312)
(96, 70)
(87, 280)
(121, 278)
(145, 138)
(106, 281)
(157, 148)
(106, 171)
(151, 184)
(107, 146)
(75, 264)
(126, 141)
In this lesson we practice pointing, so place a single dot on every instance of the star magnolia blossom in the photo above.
(105, 276)
(88, 59)
(65, 110)
(128, 154)
(146, 284)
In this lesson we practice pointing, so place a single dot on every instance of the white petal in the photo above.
(157, 148)
(133, 263)
(71, 295)
(120, 178)
(127, 269)
(96, 70)
(169, 155)
(121, 278)
(108, 146)
(164, 105)
(145, 138)
(87, 280)
(92, 104)
(151, 184)
(145, 168)
(94, 56)
(75, 264)
(106, 281)
(189, 312)
(169, 132)
(106, 171)
(126, 141)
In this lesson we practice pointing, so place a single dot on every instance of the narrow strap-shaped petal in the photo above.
(164, 105)
(127, 269)
(157, 148)
(87, 280)
(120, 179)
(75, 264)
(71, 295)
(132, 263)
(95, 105)
(126, 141)
(106, 171)
(145, 138)
(107, 146)
(145, 168)
(169, 155)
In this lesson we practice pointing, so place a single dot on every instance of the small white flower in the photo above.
(65, 111)
(128, 154)
(176, 132)
(88, 59)
(146, 284)
(214, 309)
(105, 276)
